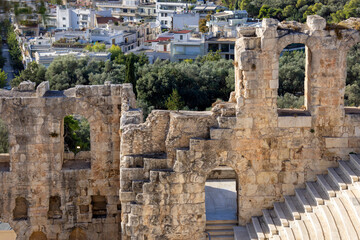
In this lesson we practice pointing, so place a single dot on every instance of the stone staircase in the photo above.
(221, 229)
(328, 208)
(138, 172)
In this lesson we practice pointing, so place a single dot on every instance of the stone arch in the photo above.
(38, 235)
(77, 234)
(288, 39)
(222, 192)
(54, 207)
(76, 154)
(20, 211)
(4, 147)
(297, 38)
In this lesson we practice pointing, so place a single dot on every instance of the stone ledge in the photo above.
(336, 142)
(287, 122)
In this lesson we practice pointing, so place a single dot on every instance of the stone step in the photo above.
(347, 167)
(265, 228)
(220, 226)
(132, 174)
(221, 232)
(257, 227)
(210, 222)
(241, 233)
(312, 191)
(289, 201)
(344, 176)
(251, 231)
(282, 214)
(301, 197)
(319, 225)
(221, 237)
(336, 178)
(227, 122)
(348, 216)
(221, 133)
(137, 185)
(336, 215)
(154, 174)
(269, 221)
(328, 190)
(355, 160)
(155, 163)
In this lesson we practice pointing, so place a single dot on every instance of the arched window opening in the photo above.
(76, 134)
(292, 77)
(221, 201)
(20, 211)
(352, 89)
(6, 232)
(38, 235)
(77, 234)
(54, 208)
(99, 204)
(4, 148)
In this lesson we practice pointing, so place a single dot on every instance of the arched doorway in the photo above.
(77, 234)
(38, 235)
(221, 194)
(221, 202)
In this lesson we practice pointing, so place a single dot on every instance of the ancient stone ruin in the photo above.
(146, 180)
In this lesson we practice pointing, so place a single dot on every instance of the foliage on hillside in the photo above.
(298, 10)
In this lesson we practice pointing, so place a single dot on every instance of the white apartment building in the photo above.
(165, 10)
(77, 18)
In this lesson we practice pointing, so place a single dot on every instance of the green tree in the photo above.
(116, 52)
(34, 72)
(202, 26)
(97, 47)
(174, 101)
(76, 134)
(351, 9)
(3, 78)
(292, 73)
(4, 137)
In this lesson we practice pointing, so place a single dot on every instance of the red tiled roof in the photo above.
(104, 20)
(182, 31)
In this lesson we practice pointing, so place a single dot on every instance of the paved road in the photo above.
(7, 67)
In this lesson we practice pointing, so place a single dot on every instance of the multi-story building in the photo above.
(185, 46)
(134, 12)
(165, 10)
(77, 18)
(46, 58)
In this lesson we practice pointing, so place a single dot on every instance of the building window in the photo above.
(99, 204)
(125, 10)
(181, 37)
(166, 22)
(54, 208)
(224, 47)
(232, 46)
(64, 25)
(20, 211)
(64, 18)
(165, 14)
(77, 149)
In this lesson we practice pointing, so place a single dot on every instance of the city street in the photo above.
(7, 67)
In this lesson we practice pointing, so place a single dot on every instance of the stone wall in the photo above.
(272, 151)
(40, 196)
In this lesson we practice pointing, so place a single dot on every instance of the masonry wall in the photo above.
(272, 151)
(36, 174)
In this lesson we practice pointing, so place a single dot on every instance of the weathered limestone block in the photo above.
(315, 22)
(42, 89)
(26, 86)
